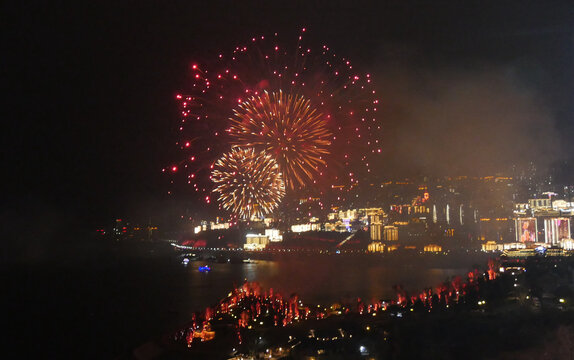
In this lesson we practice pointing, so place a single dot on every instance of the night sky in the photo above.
(90, 116)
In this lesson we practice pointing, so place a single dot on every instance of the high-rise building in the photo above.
(391, 233)
(556, 230)
(526, 230)
(376, 226)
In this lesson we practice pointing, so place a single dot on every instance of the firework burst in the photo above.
(288, 128)
(248, 182)
(266, 90)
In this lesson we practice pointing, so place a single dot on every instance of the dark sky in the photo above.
(90, 116)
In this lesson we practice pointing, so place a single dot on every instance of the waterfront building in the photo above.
(391, 233)
(512, 246)
(274, 235)
(491, 246)
(306, 227)
(494, 246)
(256, 242)
(432, 248)
(376, 246)
(519, 253)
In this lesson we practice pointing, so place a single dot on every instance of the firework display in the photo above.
(249, 182)
(286, 127)
(308, 109)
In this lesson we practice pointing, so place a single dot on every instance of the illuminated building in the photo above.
(432, 248)
(494, 246)
(328, 227)
(375, 229)
(273, 235)
(491, 246)
(204, 225)
(543, 207)
(391, 233)
(512, 246)
(376, 246)
(540, 250)
(410, 209)
(556, 252)
(218, 226)
(567, 244)
(376, 225)
(536, 204)
(563, 206)
(519, 253)
(393, 248)
(373, 211)
(521, 209)
(306, 227)
(255, 242)
(348, 215)
(556, 229)
(526, 230)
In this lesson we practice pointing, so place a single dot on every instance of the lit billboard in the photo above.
(526, 230)
(556, 229)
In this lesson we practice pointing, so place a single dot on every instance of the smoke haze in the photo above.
(464, 121)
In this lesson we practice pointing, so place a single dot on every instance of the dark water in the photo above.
(101, 306)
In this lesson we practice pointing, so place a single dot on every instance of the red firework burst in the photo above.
(338, 135)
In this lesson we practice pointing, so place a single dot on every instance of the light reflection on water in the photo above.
(315, 279)
(122, 301)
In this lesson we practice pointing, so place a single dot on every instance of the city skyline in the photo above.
(463, 88)
(332, 231)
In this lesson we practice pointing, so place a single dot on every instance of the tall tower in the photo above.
(376, 225)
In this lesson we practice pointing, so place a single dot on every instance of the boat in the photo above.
(204, 268)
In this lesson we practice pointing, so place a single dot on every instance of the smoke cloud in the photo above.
(454, 121)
